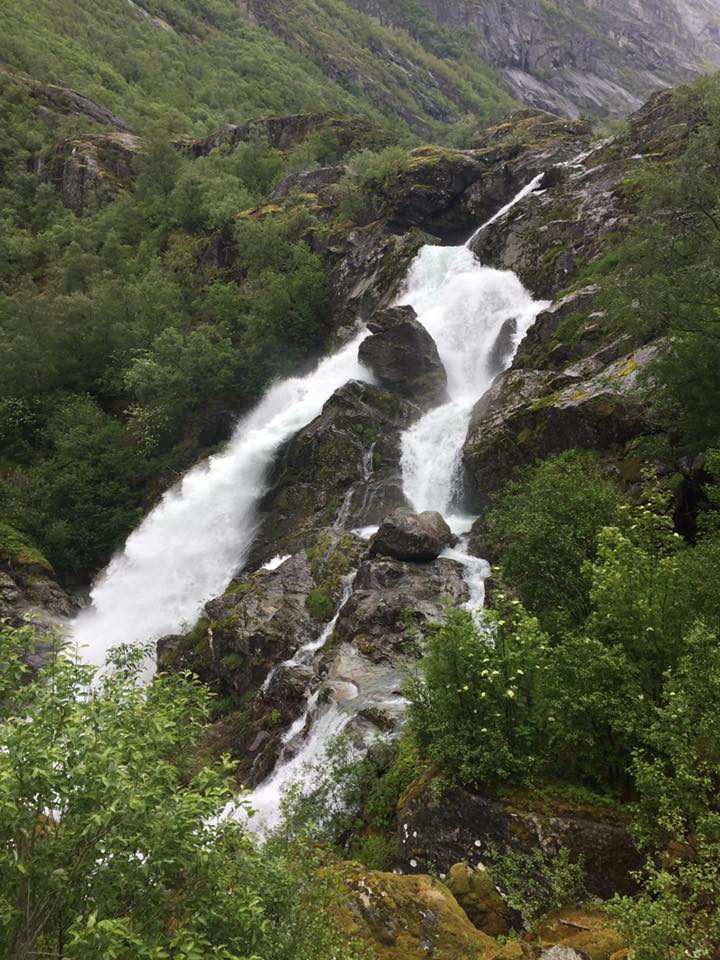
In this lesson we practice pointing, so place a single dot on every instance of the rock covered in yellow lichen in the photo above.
(403, 917)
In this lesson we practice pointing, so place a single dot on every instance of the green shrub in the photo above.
(476, 707)
(533, 883)
(320, 604)
(544, 526)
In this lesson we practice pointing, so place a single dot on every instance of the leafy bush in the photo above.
(545, 525)
(114, 844)
(475, 707)
(533, 883)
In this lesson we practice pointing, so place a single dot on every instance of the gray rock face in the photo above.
(369, 275)
(593, 56)
(529, 414)
(403, 357)
(343, 468)
(549, 237)
(458, 826)
(265, 616)
(374, 618)
(404, 535)
(91, 167)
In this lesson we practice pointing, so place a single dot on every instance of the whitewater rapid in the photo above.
(187, 548)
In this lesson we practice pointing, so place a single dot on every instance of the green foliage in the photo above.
(533, 883)
(381, 805)
(121, 352)
(666, 279)
(677, 772)
(114, 845)
(320, 604)
(545, 526)
(475, 707)
(17, 550)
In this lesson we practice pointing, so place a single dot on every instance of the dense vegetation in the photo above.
(596, 666)
(211, 64)
(113, 844)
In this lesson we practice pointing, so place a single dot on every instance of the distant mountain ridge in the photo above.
(576, 56)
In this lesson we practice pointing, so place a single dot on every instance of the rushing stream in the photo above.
(189, 546)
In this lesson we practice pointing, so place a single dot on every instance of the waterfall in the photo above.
(188, 547)
(465, 307)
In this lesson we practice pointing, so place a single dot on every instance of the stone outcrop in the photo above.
(56, 99)
(556, 232)
(450, 192)
(265, 616)
(412, 536)
(91, 168)
(285, 132)
(529, 414)
(392, 599)
(371, 269)
(458, 825)
(475, 892)
(343, 468)
(403, 357)
(409, 916)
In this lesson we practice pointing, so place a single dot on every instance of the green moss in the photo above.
(320, 604)
(16, 549)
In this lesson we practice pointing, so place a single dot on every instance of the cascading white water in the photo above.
(463, 306)
(188, 547)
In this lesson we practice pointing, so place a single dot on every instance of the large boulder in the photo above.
(457, 826)
(343, 469)
(403, 357)
(531, 414)
(408, 916)
(391, 599)
(412, 536)
(264, 617)
(475, 892)
(91, 168)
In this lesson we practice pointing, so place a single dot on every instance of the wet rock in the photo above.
(30, 594)
(530, 414)
(457, 826)
(408, 916)
(264, 617)
(392, 599)
(575, 218)
(503, 349)
(412, 536)
(404, 358)
(371, 271)
(343, 468)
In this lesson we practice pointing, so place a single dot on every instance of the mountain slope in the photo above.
(572, 56)
(189, 66)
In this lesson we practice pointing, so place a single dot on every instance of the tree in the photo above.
(677, 772)
(113, 843)
(545, 525)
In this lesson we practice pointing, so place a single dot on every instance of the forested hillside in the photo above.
(359, 483)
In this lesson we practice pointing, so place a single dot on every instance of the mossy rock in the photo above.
(17, 550)
(585, 930)
(403, 917)
(476, 894)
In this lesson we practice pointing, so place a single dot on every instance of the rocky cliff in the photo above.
(578, 56)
